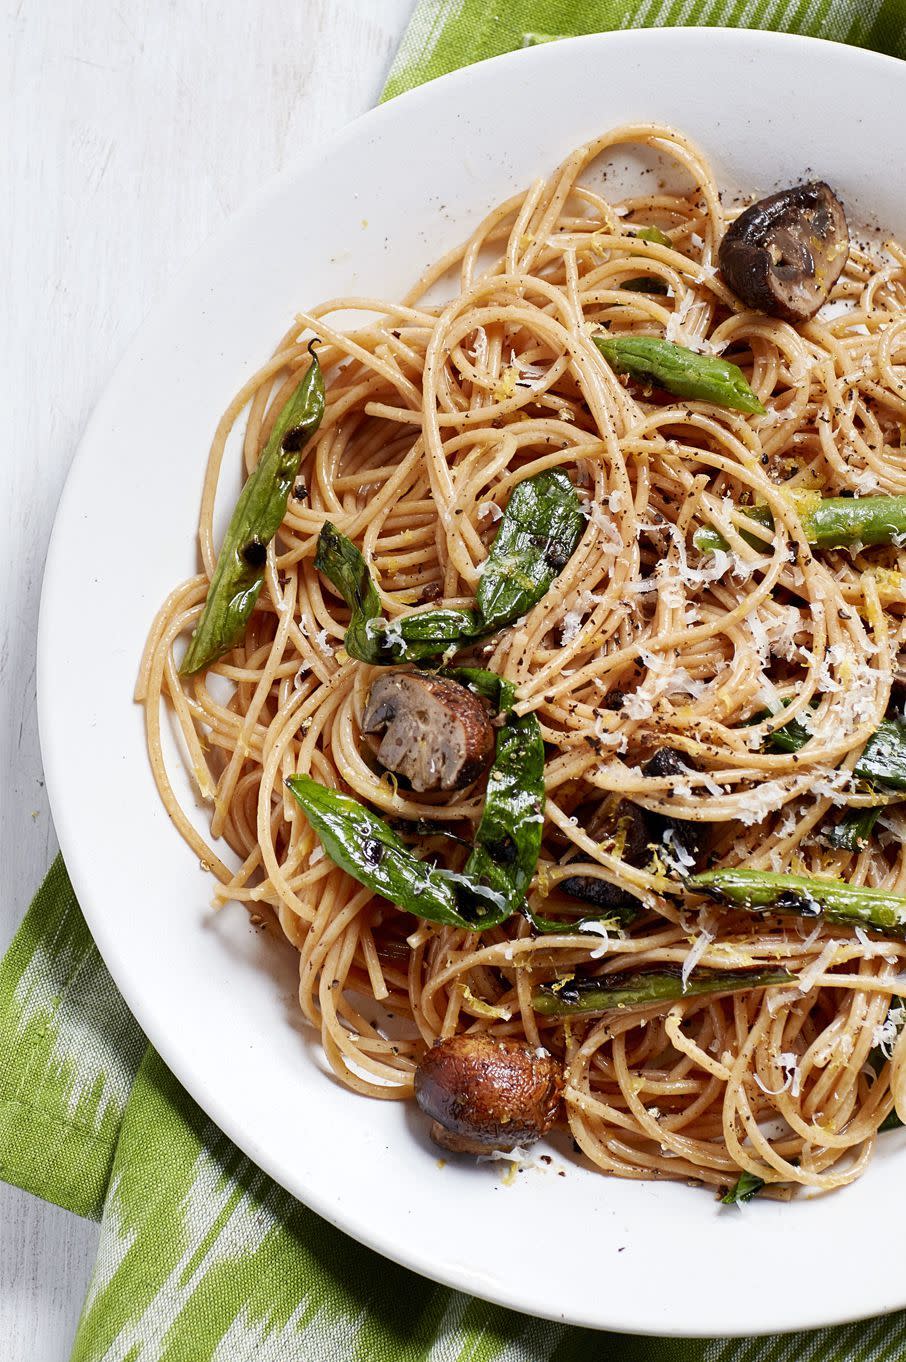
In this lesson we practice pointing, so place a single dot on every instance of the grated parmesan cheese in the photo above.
(866, 483)
(675, 855)
(596, 929)
(769, 797)
(789, 1066)
(884, 1037)
(694, 955)
(479, 349)
(820, 965)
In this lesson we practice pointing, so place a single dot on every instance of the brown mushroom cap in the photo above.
(784, 254)
(436, 732)
(484, 1092)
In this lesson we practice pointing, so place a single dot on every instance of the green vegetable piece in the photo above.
(883, 759)
(853, 832)
(680, 371)
(645, 988)
(368, 849)
(806, 896)
(537, 536)
(653, 234)
(543, 925)
(616, 908)
(343, 565)
(508, 838)
(645, 283)
(491, 687)
(538, 533)
(877, 1058)
(260, 509)
(790, 738)
(882, 765)
(838, 521)
(833, 523)
(744, 1188)
(369, 638)
(709, 540)
(414, 638)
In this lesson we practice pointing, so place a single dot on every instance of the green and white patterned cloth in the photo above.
(202, 1258)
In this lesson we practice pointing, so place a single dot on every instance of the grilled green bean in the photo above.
(239, 572)
(806, 896)
(829, 523)
(679, 370)
(645, 988)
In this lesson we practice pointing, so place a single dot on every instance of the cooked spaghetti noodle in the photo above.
(435, 410)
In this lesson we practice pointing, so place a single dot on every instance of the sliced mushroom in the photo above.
(669, 761)
(784, 254)
(622, 822)
(600, 894)
(611, 820)
(436, 732)
(483, 1092)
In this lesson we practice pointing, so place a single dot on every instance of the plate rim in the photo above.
(142, 1007)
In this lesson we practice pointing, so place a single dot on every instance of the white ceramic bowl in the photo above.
(217, 1000)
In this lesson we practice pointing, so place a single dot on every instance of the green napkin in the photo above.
(202, 1258)
(446, 34)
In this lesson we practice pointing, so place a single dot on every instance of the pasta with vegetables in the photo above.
(546, 687)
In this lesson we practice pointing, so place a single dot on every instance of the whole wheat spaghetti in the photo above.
(435, 411)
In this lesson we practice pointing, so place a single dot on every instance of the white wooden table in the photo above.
(130, 132)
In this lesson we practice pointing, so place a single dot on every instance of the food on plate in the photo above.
(545, 689)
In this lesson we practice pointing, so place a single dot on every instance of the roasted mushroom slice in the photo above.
(436, 732)
(667, 761)
(784, 254)
(622, 823)
(483, 1092)
(681, 836)
(603, 895)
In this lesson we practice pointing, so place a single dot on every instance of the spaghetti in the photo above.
(434, 412)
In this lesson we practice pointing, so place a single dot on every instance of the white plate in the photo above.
(362, 214)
